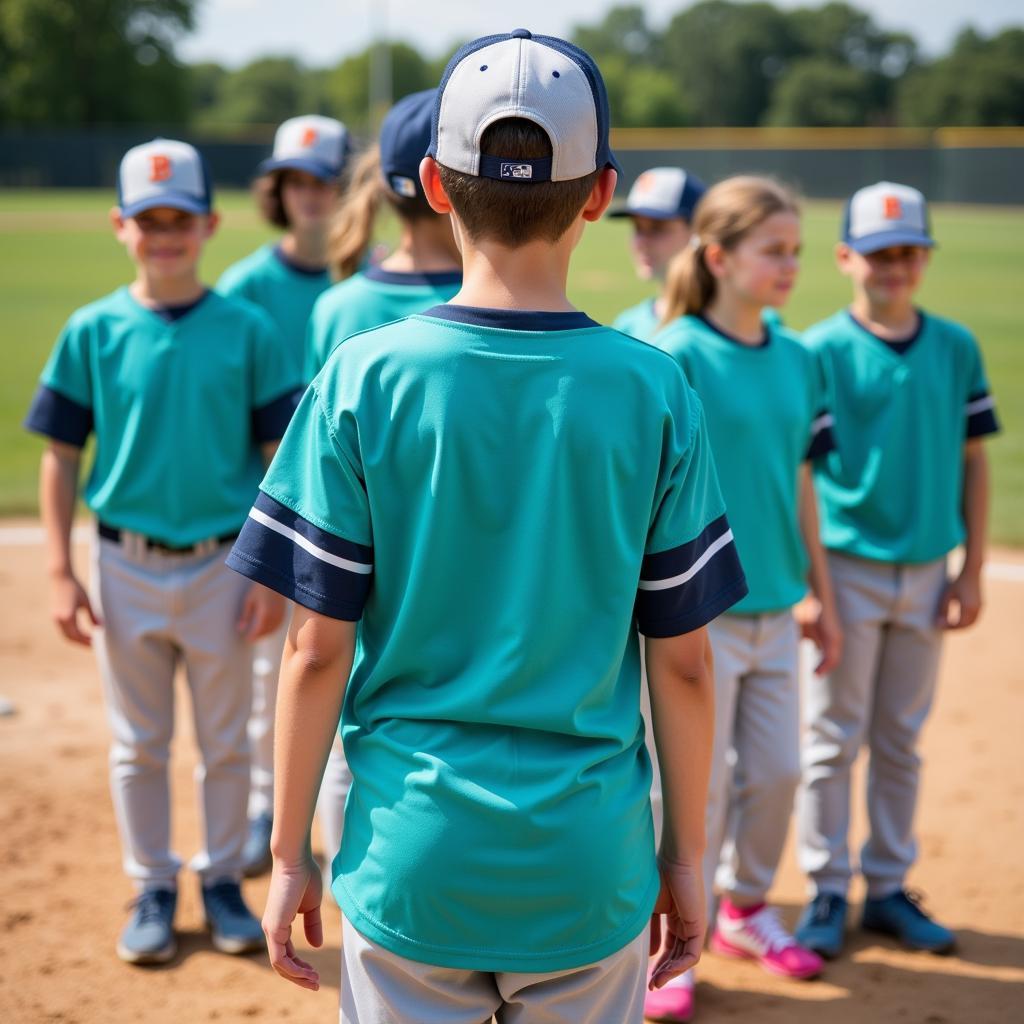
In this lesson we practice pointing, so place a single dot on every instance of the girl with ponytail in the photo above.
(425, 269)
(764, 399)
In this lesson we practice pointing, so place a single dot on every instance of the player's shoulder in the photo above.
(246, 270)
(331, 301)
(115, 305)
(836, 329)
(951, 331)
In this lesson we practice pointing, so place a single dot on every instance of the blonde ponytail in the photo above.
(725, 215)
(352, 227)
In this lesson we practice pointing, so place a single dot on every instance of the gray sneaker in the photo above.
(148, 937)
(232, 925)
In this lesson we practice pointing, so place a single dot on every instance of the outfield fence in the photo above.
(955, 165)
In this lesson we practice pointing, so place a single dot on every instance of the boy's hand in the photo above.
(67, 599)
(961, 602)
(820, 624)
(294, 889)
(681, 934)
(262, 612)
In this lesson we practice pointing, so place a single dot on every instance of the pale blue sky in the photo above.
(321, 32)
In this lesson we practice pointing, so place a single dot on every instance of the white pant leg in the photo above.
(266, 670)
(330, 805)
(657, 808)
(837, 708)
(218, 662)
(904, 689)
(766, 738)
(137, 659)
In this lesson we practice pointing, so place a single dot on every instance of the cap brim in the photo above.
(170, 200)
(314, 167)
(886, 239)
(647, 211)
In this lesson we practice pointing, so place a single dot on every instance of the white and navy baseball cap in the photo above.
(886, 214)
(312, 143)
(163, 172)
(542, 79)
(663, 193)
(404, 139)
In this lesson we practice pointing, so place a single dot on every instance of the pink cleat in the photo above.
(759, 935)
(671, 1004)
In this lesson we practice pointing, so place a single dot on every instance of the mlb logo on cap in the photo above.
(163, 173)
(311, 143)
(519, 75)
(884, 215)
(663, 193)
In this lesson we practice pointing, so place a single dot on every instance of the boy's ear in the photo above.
(212, 223)
(116, 220)
(842, 254)
(601, 194)
(430, 179)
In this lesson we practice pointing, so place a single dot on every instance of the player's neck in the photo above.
(306, 249)
(425, 247)
(737, 318)
(151, 291)
(532, 276)
(892, 322)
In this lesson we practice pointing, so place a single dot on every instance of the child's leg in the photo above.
(266, 668)
(137, 660)
(907, 674)
(837, 708)
(219, 668)
(767, 742)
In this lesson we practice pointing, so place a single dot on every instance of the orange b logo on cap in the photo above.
(159, 167)
(309, 137)
(892, 208)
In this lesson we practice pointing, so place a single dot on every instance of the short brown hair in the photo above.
(266, 191)
(515, 212)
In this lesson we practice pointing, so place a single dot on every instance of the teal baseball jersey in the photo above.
(503, 497)
(766, 412)
(369, 299)
(892, 489)
(285, 290)
(641, 320)
(179, 402)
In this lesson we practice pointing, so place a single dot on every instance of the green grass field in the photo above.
(57, 253)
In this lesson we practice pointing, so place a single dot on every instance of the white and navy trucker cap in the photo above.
(886, 214)
(663, 193)
(539, 78)
(163, 173)
(311, 143)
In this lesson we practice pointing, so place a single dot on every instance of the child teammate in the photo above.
(907, 483)
(297, 190)
(183, 389)
(455, 482)
(660, 207)
(764, 395)
(424, 269)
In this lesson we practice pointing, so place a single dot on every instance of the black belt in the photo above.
(114, 534)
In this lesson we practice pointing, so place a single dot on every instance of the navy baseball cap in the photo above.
(886, 214)
(404, 139)
(663, 193)
(163, 172)
(519, 75)
(311, 143)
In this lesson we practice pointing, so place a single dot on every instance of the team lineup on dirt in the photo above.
(518, 605)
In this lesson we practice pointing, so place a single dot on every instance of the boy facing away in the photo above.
(187, 393)
(907, 483)
(499, 490)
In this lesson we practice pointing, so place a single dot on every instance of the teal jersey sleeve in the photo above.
(318, 332)
(276, 382)
(62, 408)
(980, 411)
(235, 281)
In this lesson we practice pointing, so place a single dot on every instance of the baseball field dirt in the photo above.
(63, 897)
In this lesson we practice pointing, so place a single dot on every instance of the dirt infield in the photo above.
(62, 894)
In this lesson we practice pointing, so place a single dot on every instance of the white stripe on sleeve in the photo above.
(308, 545)
(675, 581)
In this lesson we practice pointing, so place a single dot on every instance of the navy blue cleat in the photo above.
(148, 937)
(232, 925)
(901, 916)
(822, 925)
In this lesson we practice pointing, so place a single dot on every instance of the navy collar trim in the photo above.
(512, 319)
(432, 279)
(283, 258)
(897, 345)
(763, 343)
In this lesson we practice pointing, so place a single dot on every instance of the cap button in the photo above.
(521, 33)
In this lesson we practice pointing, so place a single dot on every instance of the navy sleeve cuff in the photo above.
(822, 440)
(59, 417)
(981, 415)
(316, 569)
(686, 587)
(270, 421)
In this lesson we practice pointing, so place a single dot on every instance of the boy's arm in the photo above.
(817, 614)
(965, 591)
(680, 678)
(58, 491)
(315, 668)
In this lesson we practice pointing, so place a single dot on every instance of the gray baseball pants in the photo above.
(160, 610)
(880, 695)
